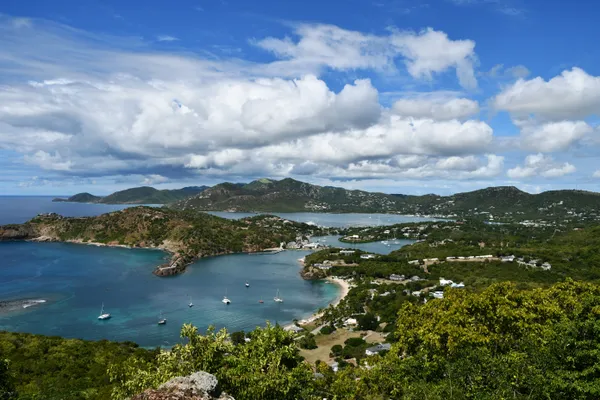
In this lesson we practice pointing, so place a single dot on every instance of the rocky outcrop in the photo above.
(311, 273)
(176, 265)
(198, 386)
(15, 232)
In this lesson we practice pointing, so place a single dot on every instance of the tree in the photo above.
(327, 329)
(336, 350)
(368, 322)
(238, 337)
(500, 343)
(308, 342)
(268, 367)
(7, 388)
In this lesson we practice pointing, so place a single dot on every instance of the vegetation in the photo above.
(286, 195)
(139, 195)
(267, 367)
(53, 368)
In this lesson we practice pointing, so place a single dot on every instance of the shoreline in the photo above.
(344, 290)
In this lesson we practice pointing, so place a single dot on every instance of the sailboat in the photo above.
(247, 284)
(191, 304)
(162, 320)
(103, 315)
(278, 299)
(225, 299)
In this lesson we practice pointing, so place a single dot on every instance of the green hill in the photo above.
(80, 198)
(287, 195)
(138, 195)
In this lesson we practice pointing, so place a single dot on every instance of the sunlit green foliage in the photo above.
(267, 367)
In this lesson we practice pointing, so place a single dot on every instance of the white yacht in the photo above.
(278, 299)
(225, 299)
(103, 315)
(191, 304)
(247, 284)
(162, 320)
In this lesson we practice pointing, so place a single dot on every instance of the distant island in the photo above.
(497, 204)
(138, 195)
(187, 236)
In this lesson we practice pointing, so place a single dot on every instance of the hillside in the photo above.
(187, 236)
(501, 204)
(80, 198)
(138, 195)
(287, 195)
(507, 204)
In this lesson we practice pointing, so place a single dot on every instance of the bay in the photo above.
(334, 220)
(76, 279)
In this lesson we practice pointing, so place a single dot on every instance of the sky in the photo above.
(397, 96)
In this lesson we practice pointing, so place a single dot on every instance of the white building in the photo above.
(438, 294)
(350, 321)
(371, 351)
(367, 256)
(445, 282)
(394, 277)
(346, 252)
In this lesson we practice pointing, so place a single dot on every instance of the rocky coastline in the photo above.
(177, 263)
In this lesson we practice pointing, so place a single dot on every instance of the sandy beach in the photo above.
(345, 288)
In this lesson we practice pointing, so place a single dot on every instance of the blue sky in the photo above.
(396, 96)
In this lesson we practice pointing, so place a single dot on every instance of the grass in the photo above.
(325, 342)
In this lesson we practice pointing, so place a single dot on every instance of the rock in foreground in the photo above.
(198, 386)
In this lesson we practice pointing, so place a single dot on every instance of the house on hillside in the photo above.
(371, 351)
(445, 282)
(394, 277)
(438, 294)
(346, 252)
(367, 256)
(350, 321)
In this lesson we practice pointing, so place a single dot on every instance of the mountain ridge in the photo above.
(498, 203)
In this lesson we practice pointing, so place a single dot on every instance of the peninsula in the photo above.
(187, 236)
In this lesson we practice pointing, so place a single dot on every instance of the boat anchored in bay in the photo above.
(103, 315)
(225, 299)
(277, 298)
(162, 320)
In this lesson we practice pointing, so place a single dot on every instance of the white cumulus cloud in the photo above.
(574, 94)
(540, 165)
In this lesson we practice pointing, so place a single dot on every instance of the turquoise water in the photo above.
(76, 279)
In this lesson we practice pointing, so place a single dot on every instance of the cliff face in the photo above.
(16, 232)
(198, 386)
